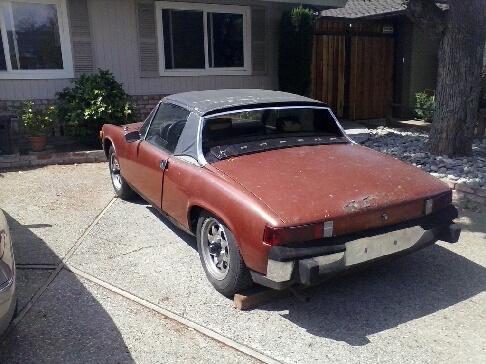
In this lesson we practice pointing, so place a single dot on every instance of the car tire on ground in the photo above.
(220, 256)
(121, 187)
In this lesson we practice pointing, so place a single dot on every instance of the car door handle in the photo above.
(164, 164)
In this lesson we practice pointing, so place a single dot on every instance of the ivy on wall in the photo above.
(295, 50)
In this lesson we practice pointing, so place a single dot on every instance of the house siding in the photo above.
(115, 47)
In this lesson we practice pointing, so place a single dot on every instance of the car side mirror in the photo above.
(132, 136)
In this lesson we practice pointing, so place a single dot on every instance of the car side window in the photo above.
(167, 126)
(146, 122)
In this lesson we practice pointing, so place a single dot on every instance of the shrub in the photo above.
(92, 101)
(425, 104)
(295, 50)
(37, 122)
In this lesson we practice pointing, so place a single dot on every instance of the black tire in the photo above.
(237, 276)
(121, 187)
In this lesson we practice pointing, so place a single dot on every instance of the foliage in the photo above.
(92, 101)
(425, 104)
(295, 50)
(37, 122)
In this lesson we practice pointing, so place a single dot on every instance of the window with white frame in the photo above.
(34, 40)
(199, 39)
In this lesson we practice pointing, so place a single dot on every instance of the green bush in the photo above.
(92, 101)
(37, 122)
(295, 50)
(425, 104)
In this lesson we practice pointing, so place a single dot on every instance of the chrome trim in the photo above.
(429, 206)
(202, 120)
(188, 159)
(151, 116)
(10, 275)
(279, 271)
(200, 155)
(7, 285)
(328, 228)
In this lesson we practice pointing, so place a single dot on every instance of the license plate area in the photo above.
(364, 249)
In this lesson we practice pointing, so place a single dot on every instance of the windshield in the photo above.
(244, 132)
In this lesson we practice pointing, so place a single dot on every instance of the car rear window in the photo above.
(252, 131)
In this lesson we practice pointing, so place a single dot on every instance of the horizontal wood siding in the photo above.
(115, 47)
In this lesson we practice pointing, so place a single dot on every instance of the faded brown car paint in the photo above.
(284, 187)
(340, 181)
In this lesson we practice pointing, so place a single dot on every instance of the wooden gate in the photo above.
(328, 75)
(352, 68)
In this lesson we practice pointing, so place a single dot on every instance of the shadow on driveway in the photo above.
(66, 324)
(352, 307)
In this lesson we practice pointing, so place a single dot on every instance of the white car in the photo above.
(7, 276)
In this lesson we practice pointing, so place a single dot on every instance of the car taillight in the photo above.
(438, 202)
(282, 235)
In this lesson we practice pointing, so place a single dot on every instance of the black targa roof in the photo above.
(211, 101)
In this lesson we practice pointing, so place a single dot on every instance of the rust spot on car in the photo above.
(361, 204)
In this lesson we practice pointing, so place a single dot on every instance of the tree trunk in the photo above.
(458, 80)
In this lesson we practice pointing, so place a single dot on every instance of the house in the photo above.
(153, 48)
(370, 60)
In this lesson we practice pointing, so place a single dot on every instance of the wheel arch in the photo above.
(107, 143)
(195, 210)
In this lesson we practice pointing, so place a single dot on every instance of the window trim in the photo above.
(205, 8)
(64, 36)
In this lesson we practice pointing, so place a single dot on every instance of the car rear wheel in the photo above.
(121, 187)
(220, 256)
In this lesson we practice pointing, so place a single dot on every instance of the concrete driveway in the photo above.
(103, 280)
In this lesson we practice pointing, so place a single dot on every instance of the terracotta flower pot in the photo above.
(37, 143)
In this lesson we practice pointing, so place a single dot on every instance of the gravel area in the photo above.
(410, 146)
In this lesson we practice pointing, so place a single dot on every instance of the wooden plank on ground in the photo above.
(257, 297)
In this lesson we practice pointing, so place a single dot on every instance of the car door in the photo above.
(150, 155)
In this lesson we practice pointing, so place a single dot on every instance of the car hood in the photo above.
(313, 183)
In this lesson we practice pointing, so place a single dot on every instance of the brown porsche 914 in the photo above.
(272, 187)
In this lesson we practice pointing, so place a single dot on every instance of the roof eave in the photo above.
(314, 3)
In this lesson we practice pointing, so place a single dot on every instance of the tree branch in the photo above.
(426, 13)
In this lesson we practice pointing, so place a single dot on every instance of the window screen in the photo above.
(225, 37)
(33, 36)
(185, 32)
(3, 63)
(183, 39)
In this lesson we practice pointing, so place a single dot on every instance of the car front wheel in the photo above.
(220, 256)
(121, 187)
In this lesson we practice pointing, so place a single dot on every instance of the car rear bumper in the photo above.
(308, 265)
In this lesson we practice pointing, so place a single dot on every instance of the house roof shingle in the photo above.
(365, 8)
(368, 8)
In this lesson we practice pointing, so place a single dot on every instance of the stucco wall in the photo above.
(424, 61)
(114, 36)
(415, 67)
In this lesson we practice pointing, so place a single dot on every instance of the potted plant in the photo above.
(37, 124)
